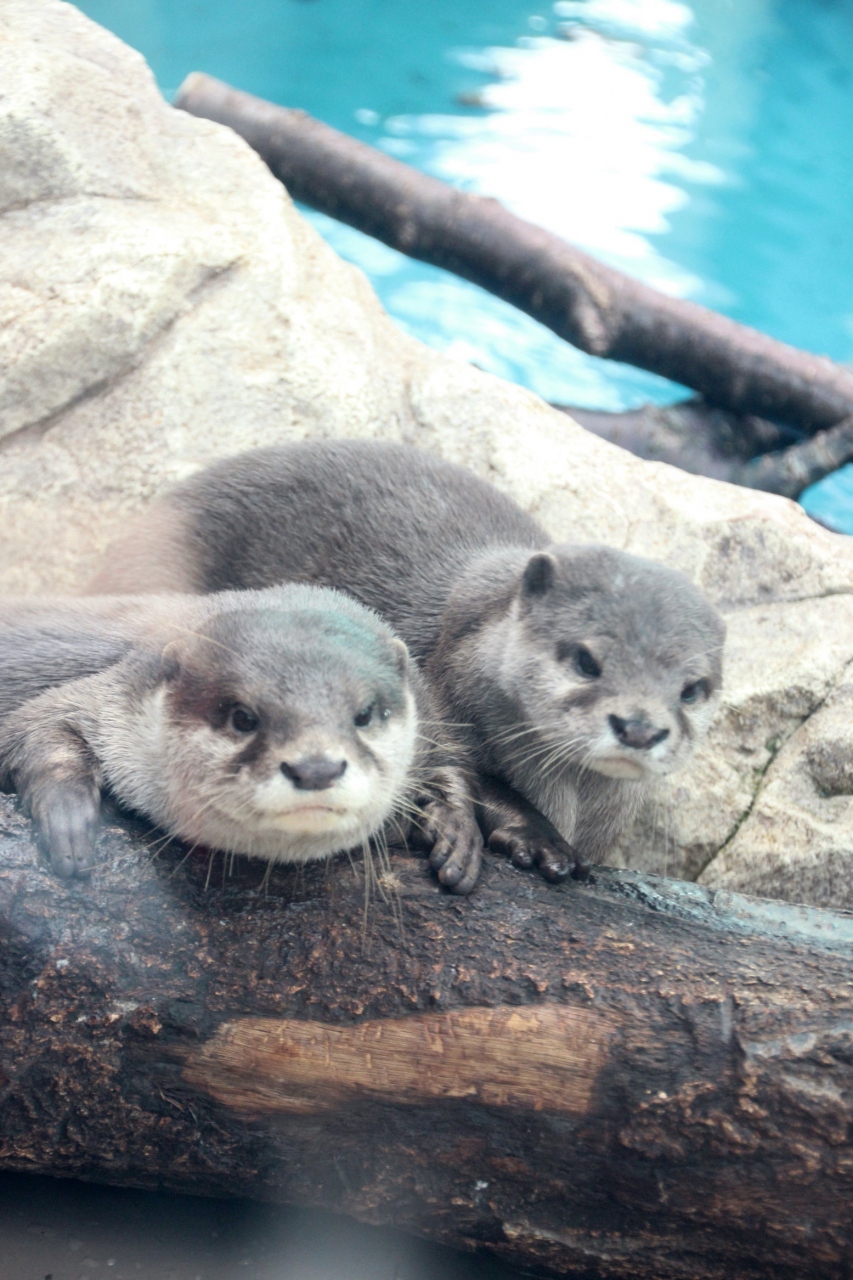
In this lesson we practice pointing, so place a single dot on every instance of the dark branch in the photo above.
(795, 468)
(590, 305)
(705, 441)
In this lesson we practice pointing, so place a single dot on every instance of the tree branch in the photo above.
(795, 468)
(590, 305)
(741, 449)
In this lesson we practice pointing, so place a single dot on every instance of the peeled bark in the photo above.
(625, 1078)
(589, 304)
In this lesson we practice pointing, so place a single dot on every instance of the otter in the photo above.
(576, 673)
(287, 724)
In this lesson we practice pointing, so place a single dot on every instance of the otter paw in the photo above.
(456, 845)
(67, 820)
(553, 856)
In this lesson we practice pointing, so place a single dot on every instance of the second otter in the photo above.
(578, 673)
(288, 724)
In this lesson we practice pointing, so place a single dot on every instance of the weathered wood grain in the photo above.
(629, 1078)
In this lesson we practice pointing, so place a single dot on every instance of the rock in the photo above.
(782, 663)
(163, 305)
(796, 840)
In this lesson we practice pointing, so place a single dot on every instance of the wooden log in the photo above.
(706, 441)
(628, 1077)
(793, 469)
(589, 304)
(690, 434)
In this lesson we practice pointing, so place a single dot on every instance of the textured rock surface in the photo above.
(162, 304)
(796, 840)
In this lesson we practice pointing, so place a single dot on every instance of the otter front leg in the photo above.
(59, 782)
(447, 826)
(66, 816)
(514, 828)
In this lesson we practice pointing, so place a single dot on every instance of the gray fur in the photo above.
(139, 696)
(45, 642)
(52, 658)
(543, 724)
(48, 640)
(452, 564)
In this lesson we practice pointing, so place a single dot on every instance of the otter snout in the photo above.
(314, 773)
(638, 733)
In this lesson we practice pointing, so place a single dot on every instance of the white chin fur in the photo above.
(288, 845)
(284, 826)
(309, 821)
(619, 767)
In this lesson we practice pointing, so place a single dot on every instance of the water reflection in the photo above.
(705, 147)
(582, 130)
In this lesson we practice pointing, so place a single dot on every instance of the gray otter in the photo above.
(577, 673)
(287, 724)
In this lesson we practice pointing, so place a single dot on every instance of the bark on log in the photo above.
(691, 434)
(793, 469)
(706, 441)
(627, 1078)
(589, 304)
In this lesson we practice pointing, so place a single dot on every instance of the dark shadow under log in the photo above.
(629, 1078)
(591, 305)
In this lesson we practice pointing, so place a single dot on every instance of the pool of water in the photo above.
(705, 147)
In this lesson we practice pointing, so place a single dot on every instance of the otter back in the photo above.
(391, 525)
(576, 673)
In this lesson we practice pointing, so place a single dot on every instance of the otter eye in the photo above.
(242, 720)
(586, 664)
(363, 718)
(583, 660)
(691, 692)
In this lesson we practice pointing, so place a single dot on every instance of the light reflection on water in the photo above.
(581, 130)
(704, 147)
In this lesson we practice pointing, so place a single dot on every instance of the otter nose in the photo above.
(314, 773)
(637, 733)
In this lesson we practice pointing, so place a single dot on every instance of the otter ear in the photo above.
(539, 574)
(401, 657)
(170, 665)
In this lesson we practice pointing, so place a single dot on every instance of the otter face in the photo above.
(614, 662)
(290, 735)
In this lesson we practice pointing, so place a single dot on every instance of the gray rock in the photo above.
(162, 304)
(796, 840)
(783, 661)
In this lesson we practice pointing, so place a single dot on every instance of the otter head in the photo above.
(291, 726)
(613, 662)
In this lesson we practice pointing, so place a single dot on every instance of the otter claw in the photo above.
(66, 823)
(460, 871)
(457, 845)
(553, 860)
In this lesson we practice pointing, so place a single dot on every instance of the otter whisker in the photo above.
(263, 887)
(532, 650)
(210, 862)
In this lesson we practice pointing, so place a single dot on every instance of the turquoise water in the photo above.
(706, 148)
